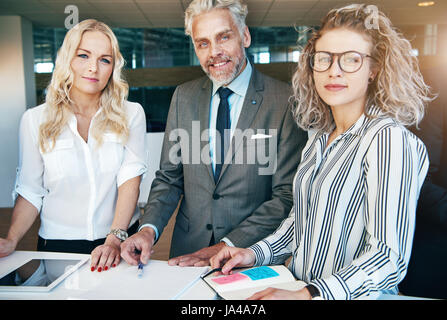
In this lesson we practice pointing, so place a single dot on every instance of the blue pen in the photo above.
(140, 269)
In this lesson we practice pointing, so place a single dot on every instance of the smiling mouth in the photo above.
(335, 87)
(90, 79)
(219, 64)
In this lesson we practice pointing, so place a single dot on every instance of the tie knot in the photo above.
(224, 93)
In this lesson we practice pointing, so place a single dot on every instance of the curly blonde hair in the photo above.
(59, 104)
(398, 88)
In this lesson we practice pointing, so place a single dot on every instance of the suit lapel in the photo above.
(204, 101)
(252, 103)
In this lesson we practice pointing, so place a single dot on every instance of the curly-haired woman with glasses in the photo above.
(351, 228)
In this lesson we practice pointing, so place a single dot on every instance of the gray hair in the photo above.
(237, 10)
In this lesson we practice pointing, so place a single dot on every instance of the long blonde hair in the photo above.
(398, 88)
(59, 104)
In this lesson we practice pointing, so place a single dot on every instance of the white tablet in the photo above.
(39, 275)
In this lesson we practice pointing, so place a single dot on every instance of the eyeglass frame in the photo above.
(338, 55)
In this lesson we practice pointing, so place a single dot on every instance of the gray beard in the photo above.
(221, 82)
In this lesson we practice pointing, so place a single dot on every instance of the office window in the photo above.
(430, 41)
(43, 67)
(295, 55)
(167, 48)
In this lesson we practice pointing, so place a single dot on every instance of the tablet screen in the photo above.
(39, 274)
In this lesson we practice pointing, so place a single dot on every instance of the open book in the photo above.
(243, 283)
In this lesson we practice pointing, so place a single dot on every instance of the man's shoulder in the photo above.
(273, 84)
(193, 85)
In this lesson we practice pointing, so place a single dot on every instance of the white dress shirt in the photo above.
(239, 86)
(351, 228)
(75, 185)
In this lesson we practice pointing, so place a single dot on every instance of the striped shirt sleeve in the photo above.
(276, 248)
(393, 166)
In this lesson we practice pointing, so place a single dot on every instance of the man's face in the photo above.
(219, 45)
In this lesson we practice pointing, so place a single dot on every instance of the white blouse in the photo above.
(350, 231)
(75, 185)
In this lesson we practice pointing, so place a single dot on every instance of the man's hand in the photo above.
(199, 258)
(138, 247)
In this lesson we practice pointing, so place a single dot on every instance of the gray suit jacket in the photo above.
(249, 201)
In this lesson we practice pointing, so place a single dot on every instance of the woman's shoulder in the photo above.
(133, 106)
(38, 109)
(387, 129)
(35, 114)
(381, 122)
(134, 112)
(133, 109)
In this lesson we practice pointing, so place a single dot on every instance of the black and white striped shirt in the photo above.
(351, 228)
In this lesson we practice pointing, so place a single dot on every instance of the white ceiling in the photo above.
(169, 13)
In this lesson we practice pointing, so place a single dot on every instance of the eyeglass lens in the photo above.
(348, 61)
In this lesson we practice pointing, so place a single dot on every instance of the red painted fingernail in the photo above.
(113, 265)
(92, 268)
(99, 269)
(105, 268)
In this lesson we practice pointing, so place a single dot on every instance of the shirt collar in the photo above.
(73, 123)
(360, 125)
(240, 84)
(362, 122)
(356, 128)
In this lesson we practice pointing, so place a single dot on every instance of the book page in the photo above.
(246, 293)
(255, 279)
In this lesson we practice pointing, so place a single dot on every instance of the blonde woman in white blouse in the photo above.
(351, 228)
(82, 154)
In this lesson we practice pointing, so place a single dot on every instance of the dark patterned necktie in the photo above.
(223, 125)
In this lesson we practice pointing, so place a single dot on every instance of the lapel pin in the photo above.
(253, 101)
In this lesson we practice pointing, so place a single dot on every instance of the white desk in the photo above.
(110, 285)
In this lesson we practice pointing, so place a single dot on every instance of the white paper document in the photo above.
(158, 281)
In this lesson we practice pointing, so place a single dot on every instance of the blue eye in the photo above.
(105, 61)
(82, 55)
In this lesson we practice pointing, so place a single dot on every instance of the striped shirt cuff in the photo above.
(263, 253)
(333, 288)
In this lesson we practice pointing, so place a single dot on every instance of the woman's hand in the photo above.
(230, 257)
(7, 246)
(280, 294)
(106, 255)
(23, 216)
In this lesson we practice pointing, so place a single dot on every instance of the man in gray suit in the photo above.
(235, 114)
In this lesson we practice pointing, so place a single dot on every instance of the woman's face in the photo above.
(92, 64)
(339, 88)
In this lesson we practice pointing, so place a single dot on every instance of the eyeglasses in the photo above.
(349, 61)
